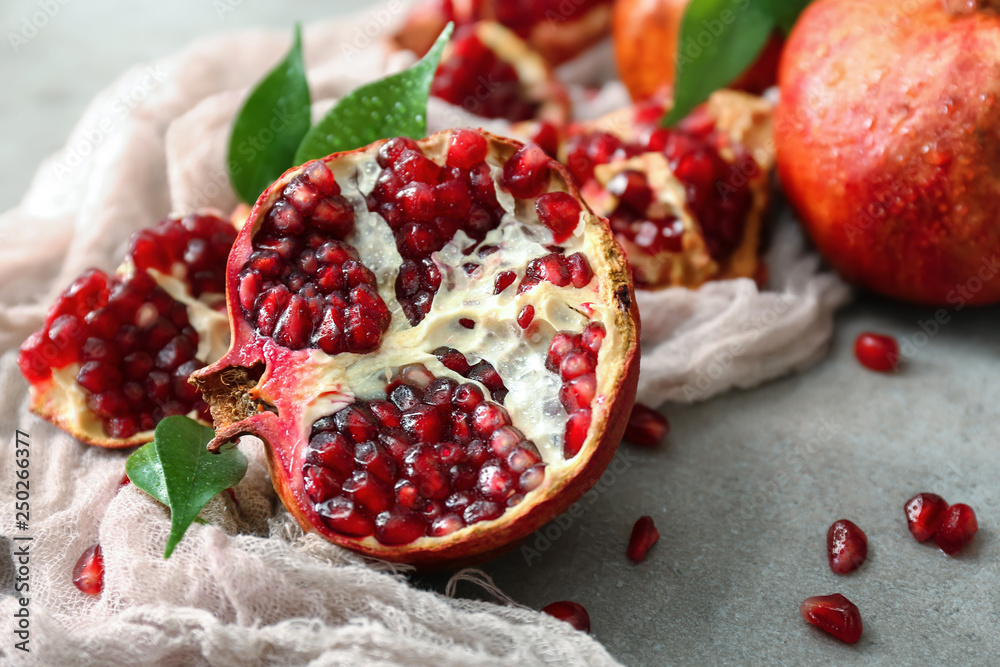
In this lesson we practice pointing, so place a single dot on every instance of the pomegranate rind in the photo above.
(245, 400)
(746, 122)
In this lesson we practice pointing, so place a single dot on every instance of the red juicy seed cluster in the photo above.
(483, 372)
(433, 458)
(135, 345)
(303, 285)
(556, 268)
(197, 246)
(718, 194)
(952, 527)
(425, 205)
(574, 358)
(474, 77)
(88, 573)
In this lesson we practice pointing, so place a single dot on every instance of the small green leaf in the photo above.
(395, 106)
(270, 126)
(178, 470)
(718, 41)
(786, 12)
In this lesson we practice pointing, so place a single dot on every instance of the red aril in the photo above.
(570, 612)
(877, 352)
(88, 573)
(834, 614)
(846, 546)
(646, 426)
(644, 536)
(924, 513)
(439, 436)
(958, 527)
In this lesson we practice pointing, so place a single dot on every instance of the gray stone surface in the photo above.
(747, 485)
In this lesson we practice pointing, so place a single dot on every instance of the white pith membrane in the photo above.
(65, 400)
(305, 385)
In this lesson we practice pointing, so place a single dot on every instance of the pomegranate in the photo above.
(88, 573)
(924, 513)
(958, 527)
(410, 412)
(646, 35)
(834, 614)
(644, 536)
(646, 426)
(884, 138)
(571, 612)
(557, 29)
(115, 352)
(846, 546)
(490, 72)
(687, 204)
(877, 352)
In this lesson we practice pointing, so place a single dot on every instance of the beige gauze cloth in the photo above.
(249, 587)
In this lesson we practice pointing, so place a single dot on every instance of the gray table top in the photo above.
(747, 484)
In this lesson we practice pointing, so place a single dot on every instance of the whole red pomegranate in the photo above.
(887, 136)
(437, 341)
(646, 33)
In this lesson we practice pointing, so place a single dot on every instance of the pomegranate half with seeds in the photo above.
(686, 203)
(487, 70)
(437, 340)
(114, 354)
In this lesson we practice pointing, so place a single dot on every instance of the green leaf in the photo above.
(270, 126)
(786, 12)
(178, 470)
(718, 41)
(395, 106)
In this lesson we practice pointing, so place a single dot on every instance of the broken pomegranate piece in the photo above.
(686, 203)
(834, 614)
(410, 410)
(490, 72)
(114, 354)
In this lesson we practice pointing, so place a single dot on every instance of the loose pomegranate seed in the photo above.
(526, 173)
(846, 546)
(560, 212)
(877, 352)
(924, 513)
(958, 527)
(88, 573)
(646, 427)
(834, 614)
(644, 536)
(571, 612)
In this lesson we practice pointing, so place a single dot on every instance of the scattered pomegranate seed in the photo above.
(571, 612)
(834, 614)
(924, 513)
(88, 573)
(846, 546)
(877, 352)
(958, 527)
(646, 426)
(644, 536)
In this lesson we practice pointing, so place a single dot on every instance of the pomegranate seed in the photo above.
(646, 427)
(577, 427)
(321, 178)
(560, 212)
(575, 363)
(391, 150)
(562, 343)
(466, 149)
(958, 527)
(834, 614)
(846, 546)
(592, 337)
(531, 478)
(924, 513)
(644, 536)
(88, 573)
(503, 281)
(579, 270)
(320, 483)
(578, 393)
(96, 376)
(343, 517)
(398, 526)
(631, 187)
(525, 317)
(445, 525)
(877, 352)
(526, 173)
(467, 323)
(368, 491)
(482, 510)
(571, 612)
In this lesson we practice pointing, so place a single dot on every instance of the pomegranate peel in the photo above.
(441, 441)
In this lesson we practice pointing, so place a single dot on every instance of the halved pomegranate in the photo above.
(687, 204)
(115, 352)
(487, 70)
(411, 411)
(558, 29)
